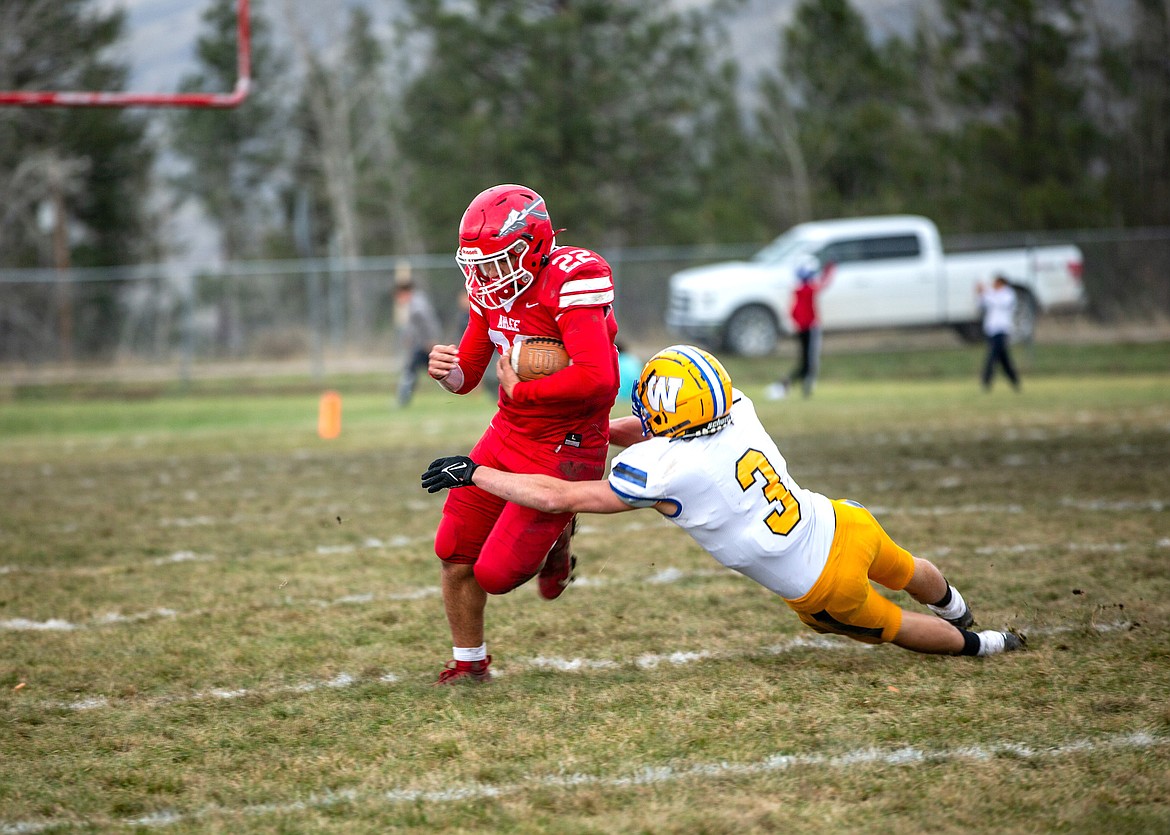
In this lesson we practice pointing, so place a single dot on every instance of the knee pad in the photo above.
(447, 541)
(496, 579)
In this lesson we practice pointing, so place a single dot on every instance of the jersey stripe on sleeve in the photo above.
(587, 292)
(630, 474)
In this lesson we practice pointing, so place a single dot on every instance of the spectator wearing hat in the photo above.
(418, 329)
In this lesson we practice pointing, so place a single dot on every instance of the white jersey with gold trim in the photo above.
(731, 491)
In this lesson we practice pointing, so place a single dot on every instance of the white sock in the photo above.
(991, 642)
(953, 609)
(478, 653)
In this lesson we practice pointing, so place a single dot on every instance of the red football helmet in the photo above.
(504, 241)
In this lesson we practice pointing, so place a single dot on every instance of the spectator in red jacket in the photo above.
(811, 279)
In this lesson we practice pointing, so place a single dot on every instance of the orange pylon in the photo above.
(329, 415)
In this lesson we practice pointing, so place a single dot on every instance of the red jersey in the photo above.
(570, 300)
(804, 299)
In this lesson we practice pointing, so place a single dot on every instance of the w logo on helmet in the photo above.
(662, 393)
(518, 218)
(682, 392)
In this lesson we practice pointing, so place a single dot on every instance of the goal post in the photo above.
(93, 98)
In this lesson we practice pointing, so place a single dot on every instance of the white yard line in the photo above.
(111, 618)
(589, 528)
(661, 577)
(339, 681)
(179, 557)
(663, 773)
(564, 665)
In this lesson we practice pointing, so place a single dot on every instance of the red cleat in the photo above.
(557, 571)
(461, 672)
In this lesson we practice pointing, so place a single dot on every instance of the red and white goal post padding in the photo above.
(84, 98)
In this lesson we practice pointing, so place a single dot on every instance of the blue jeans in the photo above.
(997, 354)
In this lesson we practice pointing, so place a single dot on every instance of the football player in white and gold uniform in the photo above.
(697, 453)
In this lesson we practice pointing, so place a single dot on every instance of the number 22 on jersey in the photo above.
(752, 463)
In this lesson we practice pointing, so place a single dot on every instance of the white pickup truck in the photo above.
(891, 272)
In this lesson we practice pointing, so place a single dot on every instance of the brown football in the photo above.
(538, 356)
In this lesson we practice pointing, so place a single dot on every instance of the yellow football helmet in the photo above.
(683, 391)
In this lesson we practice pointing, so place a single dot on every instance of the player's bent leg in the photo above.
(827, 623)
(929, 587)
(497, 578)
(464, 601)
(895, 568)
(853, 608)
(557, 571)
(843, 600)
(460, 534)
(928, 634)
(517, 547)
(926, 585)
(469, 517)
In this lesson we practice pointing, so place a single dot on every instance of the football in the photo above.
(538, 356)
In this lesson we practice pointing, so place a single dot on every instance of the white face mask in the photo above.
(492, 281)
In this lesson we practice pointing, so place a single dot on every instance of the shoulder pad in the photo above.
(575, 277)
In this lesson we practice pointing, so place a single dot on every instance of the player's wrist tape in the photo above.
(454, 379)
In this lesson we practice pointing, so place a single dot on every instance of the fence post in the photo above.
(316, 323)
(336, 305)
(186, 327)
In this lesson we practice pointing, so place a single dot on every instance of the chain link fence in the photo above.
(325, 313)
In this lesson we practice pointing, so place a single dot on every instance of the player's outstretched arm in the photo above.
(548, 494)
(542, 492)
(626, 431)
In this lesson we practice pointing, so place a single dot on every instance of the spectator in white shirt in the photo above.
(999, 306)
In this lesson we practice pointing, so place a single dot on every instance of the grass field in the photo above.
(210, 620)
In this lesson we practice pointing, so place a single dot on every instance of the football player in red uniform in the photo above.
(521, 283)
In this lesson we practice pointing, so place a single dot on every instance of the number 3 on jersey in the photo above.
(753, 462)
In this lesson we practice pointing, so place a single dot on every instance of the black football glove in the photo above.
(450, 472)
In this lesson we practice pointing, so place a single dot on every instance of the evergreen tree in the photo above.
(232, 155)
(735, 195)
(1026, 146)
(347, 161)
(602, 107)
(1136, 115)
(85, 170)
(347, 156)
(843, 115)
(96, 160)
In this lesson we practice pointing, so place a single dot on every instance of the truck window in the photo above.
(871, 249)
(780, 249)
(841, 252)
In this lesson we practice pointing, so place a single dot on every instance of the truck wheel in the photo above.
(1024, 324)
(751, 332)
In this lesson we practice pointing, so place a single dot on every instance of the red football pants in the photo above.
(506, 542)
